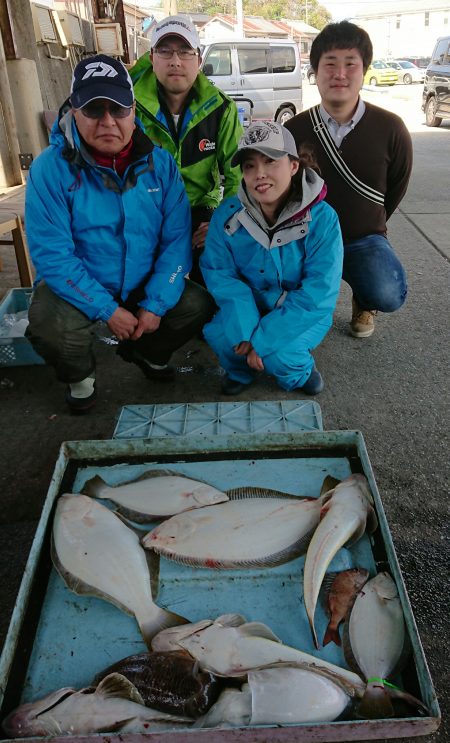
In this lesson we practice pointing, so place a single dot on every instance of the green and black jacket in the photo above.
(205, 140)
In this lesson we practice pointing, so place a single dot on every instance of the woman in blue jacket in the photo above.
(273, 263)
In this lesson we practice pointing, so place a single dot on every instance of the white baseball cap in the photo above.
(176, 25)
(269, 138)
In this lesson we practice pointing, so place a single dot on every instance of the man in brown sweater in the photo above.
(365, 157)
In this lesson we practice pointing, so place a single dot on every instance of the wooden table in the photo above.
(11, 222)
(12, 208)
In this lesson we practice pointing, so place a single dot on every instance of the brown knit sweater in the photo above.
(379, 152)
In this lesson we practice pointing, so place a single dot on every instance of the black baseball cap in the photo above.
(101, 77)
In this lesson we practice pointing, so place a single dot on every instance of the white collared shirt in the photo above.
(339, 131)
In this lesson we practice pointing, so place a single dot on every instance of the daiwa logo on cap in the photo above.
(99, 69)
(205, 145)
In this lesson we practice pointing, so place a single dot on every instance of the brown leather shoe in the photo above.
(362, 323)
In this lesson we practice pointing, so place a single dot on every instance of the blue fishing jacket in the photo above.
(274, 284)
(94, 236)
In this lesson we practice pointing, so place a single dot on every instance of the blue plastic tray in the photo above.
(17, 351)
(58, 639)
(218, 418)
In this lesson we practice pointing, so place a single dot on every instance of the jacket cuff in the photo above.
(107, 311)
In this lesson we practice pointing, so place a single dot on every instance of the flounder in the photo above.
(169, 681)
(113, 706)
(157, 494)
(377, 646)
(96, 554)
(256, 527)
(346, 512)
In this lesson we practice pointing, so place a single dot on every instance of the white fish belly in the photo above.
(332, 533)
(376, 633)
(232, 709)
(230, 652)
(164, 495)
(234, 532)
(93, 545)
(91, 713)
(293, 695)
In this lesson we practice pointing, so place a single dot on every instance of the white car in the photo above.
(407, 71)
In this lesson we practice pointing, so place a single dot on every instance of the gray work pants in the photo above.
(64, 336)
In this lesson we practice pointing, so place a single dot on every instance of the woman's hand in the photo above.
(243, 348)
(254, 361)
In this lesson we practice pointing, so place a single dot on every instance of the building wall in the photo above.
(406, 34)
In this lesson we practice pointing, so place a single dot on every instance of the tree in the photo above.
(309, 11)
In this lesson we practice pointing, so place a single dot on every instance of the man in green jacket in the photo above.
(186, 114)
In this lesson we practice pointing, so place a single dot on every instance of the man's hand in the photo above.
(254, 361)
(199, 236)
(122, 324)
(147, 322)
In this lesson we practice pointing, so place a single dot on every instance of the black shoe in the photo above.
(80, 405)
(314, 384)
(232, 386)
(164, 374)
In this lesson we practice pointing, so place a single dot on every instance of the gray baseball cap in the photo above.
(269, 138)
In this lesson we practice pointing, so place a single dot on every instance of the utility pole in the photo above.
(239, 18)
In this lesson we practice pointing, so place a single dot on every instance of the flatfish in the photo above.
(110, 707)
(96, 554)
(376, 644)
(256, 527)
(286, 693)
(232, 709)
(170, 681)
(347, 511)
(230, 646)
(157, 494)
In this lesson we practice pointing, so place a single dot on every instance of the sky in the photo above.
(340, 9)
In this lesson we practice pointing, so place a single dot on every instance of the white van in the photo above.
(265, 72)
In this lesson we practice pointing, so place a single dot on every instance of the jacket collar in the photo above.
(313, 191)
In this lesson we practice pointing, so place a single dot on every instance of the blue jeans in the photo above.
(374, 273)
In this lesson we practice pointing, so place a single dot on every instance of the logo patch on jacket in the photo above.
(205, 145)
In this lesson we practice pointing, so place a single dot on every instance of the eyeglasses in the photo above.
(97, 110)
(166, 53)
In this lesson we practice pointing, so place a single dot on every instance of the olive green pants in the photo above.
(64, 336)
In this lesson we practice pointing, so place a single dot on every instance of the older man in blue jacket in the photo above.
(108, 226)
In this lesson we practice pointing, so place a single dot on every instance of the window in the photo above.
(447, 54)
(218, 62)
(442, 53)
(252, 60)
(283, 59)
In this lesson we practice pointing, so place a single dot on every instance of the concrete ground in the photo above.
(393, 387)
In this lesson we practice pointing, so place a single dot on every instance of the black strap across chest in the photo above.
(342, 168)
